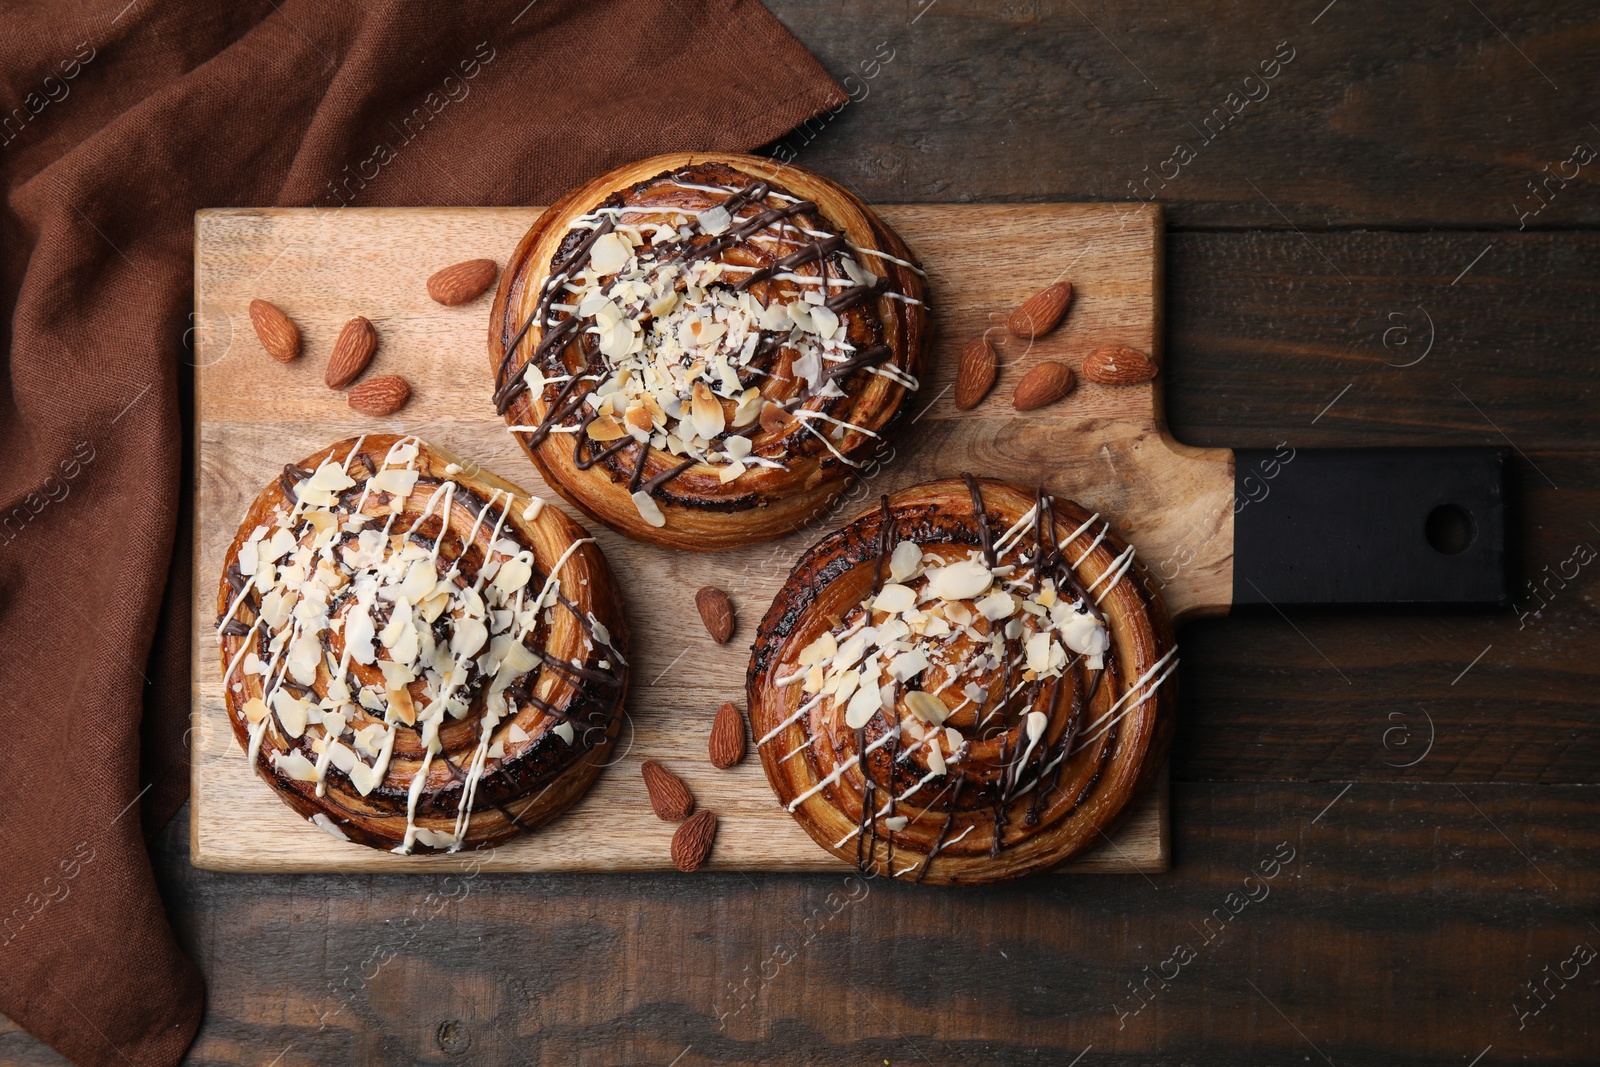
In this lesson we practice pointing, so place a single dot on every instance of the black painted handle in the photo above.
(1370, 526)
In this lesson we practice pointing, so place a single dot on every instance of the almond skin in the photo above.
(277, 332)
(1041, 312)
(351, 353)
(727, 737)
(1118, 365)
(691, 843)
(380, 396)
(774, 419)
(716, 611)
(670, 799)
(975, 376)
(461, 282)
(1043, 386)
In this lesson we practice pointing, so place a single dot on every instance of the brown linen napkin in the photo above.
(117, 123)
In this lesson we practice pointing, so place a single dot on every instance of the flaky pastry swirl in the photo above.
(700, 350)
(416, 654)
(966, 685)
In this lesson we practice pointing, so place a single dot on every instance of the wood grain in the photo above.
(1270, 333)
(1409, 885)
(1266, 336)
(1411, 922)
(1432, 113)
(1103, 446)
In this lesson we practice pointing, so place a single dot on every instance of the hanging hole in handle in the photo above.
(1450, 530)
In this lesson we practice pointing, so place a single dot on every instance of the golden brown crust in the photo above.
(1098, 736)
(700, 511)
(558, 722)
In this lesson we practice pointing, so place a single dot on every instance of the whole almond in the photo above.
(351, 353)
(1043, 386)
(278, 333)
(1041, 312)
(461, 282)
(716, 611)
(383, 395)
(1118, 365)
(669, 797)
(727, 737)
(691, 842)
(975, 376)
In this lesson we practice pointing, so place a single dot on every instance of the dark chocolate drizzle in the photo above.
(867, 357)
(980, 516)
(292, 476)
(846, 299)
(1047, 562)
(867, 830)
(817, 251)
(869, 819)
(556, 334)
(590, 704)
(580, 445)
(944, 831)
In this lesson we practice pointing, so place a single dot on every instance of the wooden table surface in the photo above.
(1385, 824)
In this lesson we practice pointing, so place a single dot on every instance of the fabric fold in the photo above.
(115, 127)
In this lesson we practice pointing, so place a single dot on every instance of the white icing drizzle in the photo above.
(446, 490)
(892, 259)
(806, 426)
(1104, 529)
(842, 635)
(1003, 543)
(535, 429)
(244, 646)
(888, 805)
(561, 561)
(846, 765)
(915, 616)
(896, 375)
(305, 577)
(1086, 737)
(806, 413)
(1074, 535)
(790, 721)
(676, 342)
(833, 281)
(388, 458)
(350, 455)
(721, 189)
(801, 747)
(469, 790)
(924, 780)
(234, 606)
(256, 731)
(1118, 568)
(324, 758)
(1084, 741)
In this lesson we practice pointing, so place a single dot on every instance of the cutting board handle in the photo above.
(1370, 526)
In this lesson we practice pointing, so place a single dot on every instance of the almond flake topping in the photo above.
(337, 586)
(944, 646)
(679, 344)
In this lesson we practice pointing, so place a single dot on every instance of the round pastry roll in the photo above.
(417, 654)
(964, 686)
(701, 350)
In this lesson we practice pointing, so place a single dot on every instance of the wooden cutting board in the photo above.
(1104, 447)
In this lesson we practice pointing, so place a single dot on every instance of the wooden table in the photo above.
(1344, 267)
